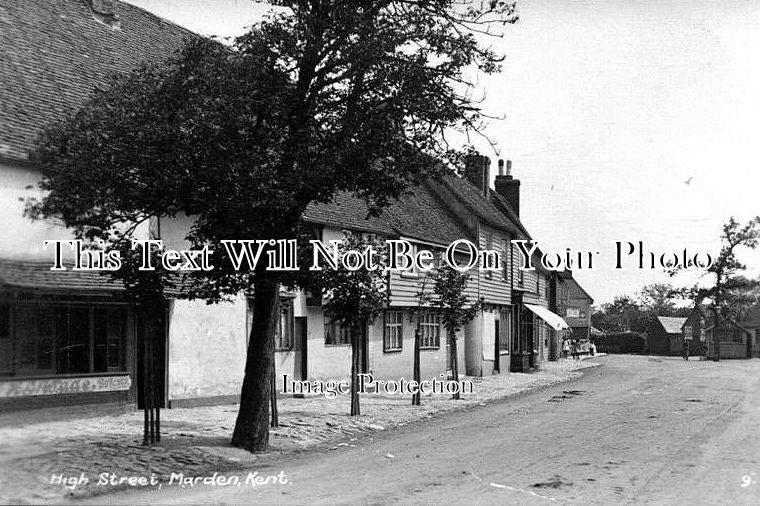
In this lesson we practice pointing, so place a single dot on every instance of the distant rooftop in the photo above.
(672, 324)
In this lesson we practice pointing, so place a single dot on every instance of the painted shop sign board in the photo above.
(59, 386)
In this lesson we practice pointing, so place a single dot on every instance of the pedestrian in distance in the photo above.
(685, 350)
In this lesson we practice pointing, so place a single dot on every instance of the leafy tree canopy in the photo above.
(323, 96)
(320, 97)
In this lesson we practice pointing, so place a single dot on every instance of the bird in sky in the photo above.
(688, 181)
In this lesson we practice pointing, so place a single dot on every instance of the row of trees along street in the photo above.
(320, 97)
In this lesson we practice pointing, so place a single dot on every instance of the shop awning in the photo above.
(553, 320)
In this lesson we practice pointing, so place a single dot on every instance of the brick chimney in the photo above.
(508, 187)
(477, 170)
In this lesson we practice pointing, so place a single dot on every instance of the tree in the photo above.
(354, 299)
(416, 372)
(659, 299)
(623, 314)
(730, 293)
(448, 299)
(325, 96)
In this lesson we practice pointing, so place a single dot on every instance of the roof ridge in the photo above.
(165, 20)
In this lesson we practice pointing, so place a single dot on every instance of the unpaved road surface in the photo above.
(635, 430)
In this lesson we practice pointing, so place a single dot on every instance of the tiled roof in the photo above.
(671, 324)
(491, 209)
(506, 208)
(36, 276)
(418, 215)
(578, 291)
(33, 275)
(54, 53)
(474, 200)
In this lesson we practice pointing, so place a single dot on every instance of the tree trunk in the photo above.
(416, 396)
(716, 335)
(355, 354)
(454, 362)
(275, 415)
(252, 426)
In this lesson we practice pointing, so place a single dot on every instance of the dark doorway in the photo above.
(496, 348)
(364, 358)
(301, 351)
(151, 358)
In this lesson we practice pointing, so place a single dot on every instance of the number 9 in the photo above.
(746, 481)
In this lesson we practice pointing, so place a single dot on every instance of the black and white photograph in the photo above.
(380, 252)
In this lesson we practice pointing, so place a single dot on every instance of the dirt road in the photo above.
(638, 429)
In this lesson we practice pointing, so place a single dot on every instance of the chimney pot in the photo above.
(509, 188)
(501, 166)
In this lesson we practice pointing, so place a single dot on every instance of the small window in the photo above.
(337, 334)
(430, 330)
(489, 247)
(505, 331)
(393, 331)
(507, 262)
(285, 329)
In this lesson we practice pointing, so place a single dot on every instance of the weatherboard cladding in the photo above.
(418, 215)
(71, 54)
(493, 286)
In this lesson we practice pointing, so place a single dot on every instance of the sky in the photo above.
(625, 120)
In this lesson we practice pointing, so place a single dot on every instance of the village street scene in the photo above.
(393, 252)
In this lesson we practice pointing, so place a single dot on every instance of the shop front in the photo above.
(64, 339)
(531, 324)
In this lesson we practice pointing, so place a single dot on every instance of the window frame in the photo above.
(105, 350)
(507, 271)
(437, 325)
(489, 247)
(285, 337)
(341, 330)
(393, 325)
